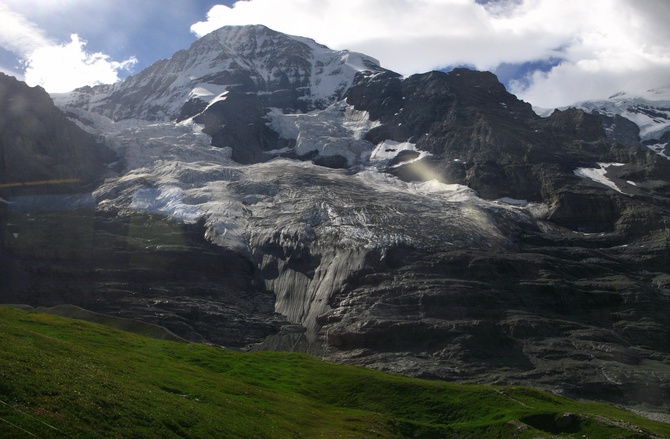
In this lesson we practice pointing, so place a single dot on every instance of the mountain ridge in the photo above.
(235, 58)
(635, 120)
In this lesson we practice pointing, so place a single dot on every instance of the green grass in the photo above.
(129, 325)
(69, 378)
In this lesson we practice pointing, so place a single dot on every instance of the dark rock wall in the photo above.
(38, 142)
(56, 248)
(481, 136)
(138, 266)
(239, 122)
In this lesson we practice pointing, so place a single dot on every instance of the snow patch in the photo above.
(598, 175)
(652, 124)
(388, 149)
(205, 90)
(659, 148)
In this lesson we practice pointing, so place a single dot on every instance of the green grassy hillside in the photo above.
(69, 378)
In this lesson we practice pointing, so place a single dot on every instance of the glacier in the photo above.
(284, 211)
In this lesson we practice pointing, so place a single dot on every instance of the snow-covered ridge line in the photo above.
(654, 94)
(653, 118)
(649, 111)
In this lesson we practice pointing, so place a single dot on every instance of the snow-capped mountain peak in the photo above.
(286, 71)
(635, 119)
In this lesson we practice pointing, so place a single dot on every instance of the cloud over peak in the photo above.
(582, 49)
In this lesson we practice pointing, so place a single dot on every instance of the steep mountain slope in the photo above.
(39, 143)
(479, 135)
(275, 194)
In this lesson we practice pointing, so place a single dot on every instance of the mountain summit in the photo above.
(271, 193)
(286, 71)
(228, 81)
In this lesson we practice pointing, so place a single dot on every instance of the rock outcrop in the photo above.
(137, 266)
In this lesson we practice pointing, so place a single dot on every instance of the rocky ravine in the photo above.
(452, 234)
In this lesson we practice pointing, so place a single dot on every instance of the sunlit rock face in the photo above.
(271, 193)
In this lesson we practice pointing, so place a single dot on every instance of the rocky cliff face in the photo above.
(479, 135)
(292, 197)
(38, 142)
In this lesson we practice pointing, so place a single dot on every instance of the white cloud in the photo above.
(19, 35)
(605, 45)
(56, 67)
(63, 67)
(434, 33)
(616, 47)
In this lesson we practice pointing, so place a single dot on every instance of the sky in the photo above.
(550, 53)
